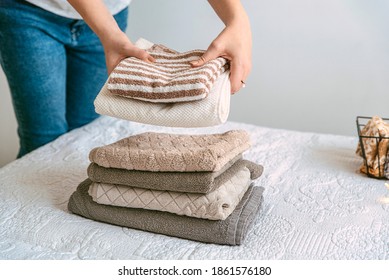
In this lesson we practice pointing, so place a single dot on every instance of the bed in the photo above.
(316, 204)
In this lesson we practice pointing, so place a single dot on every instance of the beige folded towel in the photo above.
(171, 78)
(216, 205)
(152, 151)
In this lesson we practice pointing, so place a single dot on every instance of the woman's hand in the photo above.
(116, 44)
(118, 47)
(233, 43)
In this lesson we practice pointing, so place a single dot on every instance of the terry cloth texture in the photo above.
(210, 111)
(376, 148)
(216, 205)
(190, 182)
(171, 78)
(160, 152)
(231, 231)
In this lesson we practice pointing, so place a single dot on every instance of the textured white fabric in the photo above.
(216, 205)
(211, 111)
(316, 204)
(63, 8)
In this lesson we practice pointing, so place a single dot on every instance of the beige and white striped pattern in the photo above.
(171, 78)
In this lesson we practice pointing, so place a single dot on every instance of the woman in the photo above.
(55, 64)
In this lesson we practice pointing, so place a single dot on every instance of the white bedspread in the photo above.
(316, 205)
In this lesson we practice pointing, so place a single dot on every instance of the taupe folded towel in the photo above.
(158, 152)
(171, 78)
(215, 205)
(230, 231)
(190, 182)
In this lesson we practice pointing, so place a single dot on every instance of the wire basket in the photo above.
(361, 122)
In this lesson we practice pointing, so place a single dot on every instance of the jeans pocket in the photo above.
(122, 19)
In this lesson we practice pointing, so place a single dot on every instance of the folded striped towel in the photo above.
(171, 78)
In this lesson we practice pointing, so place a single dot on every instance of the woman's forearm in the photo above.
(233, 43)
(229, 11)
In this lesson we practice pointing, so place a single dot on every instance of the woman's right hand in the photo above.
(118, 47)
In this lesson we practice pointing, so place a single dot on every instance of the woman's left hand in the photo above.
(233, 43)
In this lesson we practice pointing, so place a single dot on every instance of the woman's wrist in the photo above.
(230, 12)
(116, 38)
(240, 21)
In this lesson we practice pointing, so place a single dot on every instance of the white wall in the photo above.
(8, 138)
(317, 63)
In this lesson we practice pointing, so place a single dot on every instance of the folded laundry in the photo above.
(171, 78)
(191, 182)
(215, 205)
(231, 231)
(375, 141)
(160, 152)
(210, 111)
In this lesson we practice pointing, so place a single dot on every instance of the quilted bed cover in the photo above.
(316, 204)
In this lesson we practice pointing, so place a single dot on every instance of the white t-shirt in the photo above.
(63, 8)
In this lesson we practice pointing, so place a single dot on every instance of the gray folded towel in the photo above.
(192, 182)
(230, 231)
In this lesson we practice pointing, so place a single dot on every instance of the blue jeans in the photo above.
(55, 67)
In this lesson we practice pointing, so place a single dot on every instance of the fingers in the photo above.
(114, 58)
(239, 68)
(212, 53)
(238, 72)
(237, 75)
(143, 55)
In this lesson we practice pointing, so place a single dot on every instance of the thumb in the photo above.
(143, 55)
(210, 54)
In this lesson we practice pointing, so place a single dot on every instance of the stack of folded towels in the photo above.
(196, 187)
(169, 92)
